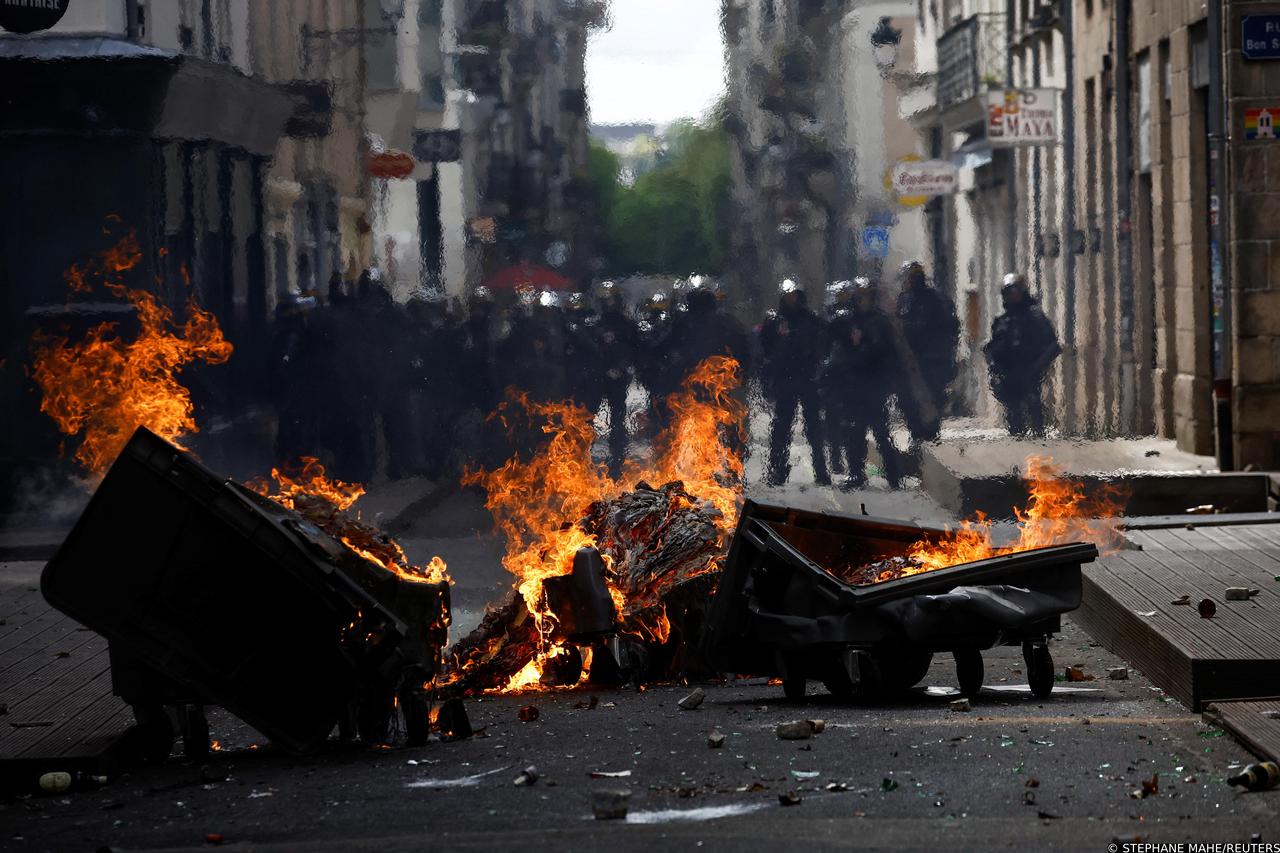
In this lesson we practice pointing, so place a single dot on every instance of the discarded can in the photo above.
(528, 714)
(610, 803)
(59, 781)
(1257, 777)
(527, 776)
(693, 700)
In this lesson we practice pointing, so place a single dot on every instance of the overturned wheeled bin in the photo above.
(209, 594)
(796, 601)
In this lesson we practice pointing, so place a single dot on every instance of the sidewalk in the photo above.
(973, 469)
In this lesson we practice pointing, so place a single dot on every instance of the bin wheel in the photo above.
(1039, 668)
(151, 737)
(903, 670)
(795, 688)
(195, 733)
(969, 671)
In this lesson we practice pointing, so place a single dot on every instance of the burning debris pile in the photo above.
(627, 554)
(104, 385)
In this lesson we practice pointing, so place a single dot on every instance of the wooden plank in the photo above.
(1226, 519)
(1107, 614)
(1247, 721)
(92, 699)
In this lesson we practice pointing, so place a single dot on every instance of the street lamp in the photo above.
(884, 43)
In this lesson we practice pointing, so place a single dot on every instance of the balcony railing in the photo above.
(971, 58)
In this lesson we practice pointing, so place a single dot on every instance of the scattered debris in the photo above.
(214, 838)
(805, 774)
(1077, 673)
(693, 700)
(836, 787)
(610, 774)
(1033, 782)
(1201, 509)
(961, 705)
(1118, 673)
(528, 776)
(1182, 599)
(715, 740)
(589, 705)
(1150, 788)
(610, 803)
(1044, 815)
(818, 726)
(790, 798)
(1271, 715)
(796, 730)
(887, 784)
(528, 713)
(1207, 608)
(1144, 612)
(1239, 593)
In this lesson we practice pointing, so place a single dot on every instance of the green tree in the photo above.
(673, 218)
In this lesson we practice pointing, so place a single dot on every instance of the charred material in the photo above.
(660, 548)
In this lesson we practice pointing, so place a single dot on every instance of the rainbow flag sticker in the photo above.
(1259, 122)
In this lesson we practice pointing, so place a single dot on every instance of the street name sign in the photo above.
(1260, 36)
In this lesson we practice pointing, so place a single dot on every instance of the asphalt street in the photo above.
(1013, 772)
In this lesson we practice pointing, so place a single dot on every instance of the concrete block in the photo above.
(1250, 164)
(1256, 408)
(1256, 362)
(1258, 312)
(1252, 265)
(1257, 216)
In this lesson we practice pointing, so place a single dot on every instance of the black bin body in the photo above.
(223, 594)
(776, 595)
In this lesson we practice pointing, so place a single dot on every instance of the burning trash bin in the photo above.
(807, 595)
(210, 594)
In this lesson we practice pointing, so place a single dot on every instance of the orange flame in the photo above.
(299, 489)
(536, 503)
(1058, 511)
(106, 387)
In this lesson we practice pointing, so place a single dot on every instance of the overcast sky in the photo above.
(661, 60)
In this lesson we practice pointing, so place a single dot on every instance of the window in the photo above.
(1142, 80)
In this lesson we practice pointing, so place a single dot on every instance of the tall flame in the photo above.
(537, 502)
(105, 386)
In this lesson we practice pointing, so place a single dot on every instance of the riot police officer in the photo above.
(860, 376)
(790, 347)
(652, 353)
(1022, 347)
(931, 328)
(615, 347)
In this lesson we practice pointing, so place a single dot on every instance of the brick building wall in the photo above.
(1254, 238)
